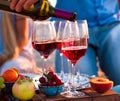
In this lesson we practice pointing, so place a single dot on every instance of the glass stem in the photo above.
(45, 65)
(69, 71)
(61, 56)
(62, 70)
(73, 78)
(42, 58)
(78, 75)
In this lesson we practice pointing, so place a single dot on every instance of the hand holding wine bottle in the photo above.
(18, 5)
(36, 9)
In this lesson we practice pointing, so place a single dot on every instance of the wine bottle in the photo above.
(40, 11)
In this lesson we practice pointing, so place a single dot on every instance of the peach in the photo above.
(10, 75)
(101, 85)
(15, 69)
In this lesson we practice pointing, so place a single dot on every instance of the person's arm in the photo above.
(18, 36)
(18, 5)
(22, 31)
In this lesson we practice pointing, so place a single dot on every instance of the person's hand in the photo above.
(18, 5)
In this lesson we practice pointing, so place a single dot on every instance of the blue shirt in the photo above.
(96, 12)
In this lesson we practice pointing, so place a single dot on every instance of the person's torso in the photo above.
(96, 12)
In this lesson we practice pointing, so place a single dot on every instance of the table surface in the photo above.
(90, 95)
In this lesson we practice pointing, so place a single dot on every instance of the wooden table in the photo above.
(90, 95)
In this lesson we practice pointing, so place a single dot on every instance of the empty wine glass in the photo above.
(74, 46)
(44, 40)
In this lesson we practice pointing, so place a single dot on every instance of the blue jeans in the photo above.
(104, 46)
(116, 88)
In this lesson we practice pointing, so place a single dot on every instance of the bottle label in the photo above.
(44, 10)
(30, 8)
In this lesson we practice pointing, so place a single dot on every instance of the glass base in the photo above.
(73, 94)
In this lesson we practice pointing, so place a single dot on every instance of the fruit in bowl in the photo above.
(101, 85)
(2, 84)
(50, 84)
(10, 76)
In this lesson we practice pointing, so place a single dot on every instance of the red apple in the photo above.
(23, 89)
(101, 85)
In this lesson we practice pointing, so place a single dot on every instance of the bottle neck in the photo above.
(65, 14)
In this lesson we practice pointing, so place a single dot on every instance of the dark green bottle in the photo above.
(41, 10)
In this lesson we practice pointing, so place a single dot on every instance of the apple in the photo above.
(23, 89)
(101, 85)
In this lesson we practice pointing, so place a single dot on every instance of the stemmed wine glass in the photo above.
(83, 31)
(44, 40)
(59, 26)
(74, 46)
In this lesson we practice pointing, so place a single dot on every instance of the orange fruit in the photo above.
(101, 85)
(10, 75)
(15, 69)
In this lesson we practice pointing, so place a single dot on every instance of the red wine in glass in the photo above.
(33, 45)
(59, 45)
(45, 48)
(74, 46)
(75, 49)
(74, 53)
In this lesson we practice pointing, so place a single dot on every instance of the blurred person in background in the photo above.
(104, 36)
(15, 44)
(15, 40)
(15, 36)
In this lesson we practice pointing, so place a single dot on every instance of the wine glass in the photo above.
(59, 26)
(83, 31)
(74, 46)
(44, 40)
(35, 24)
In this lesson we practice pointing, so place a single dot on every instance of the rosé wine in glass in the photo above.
(74, 53)
(74, 46)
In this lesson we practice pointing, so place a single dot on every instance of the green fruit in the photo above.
(2, 85)
(23, 89)
(1, 79)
